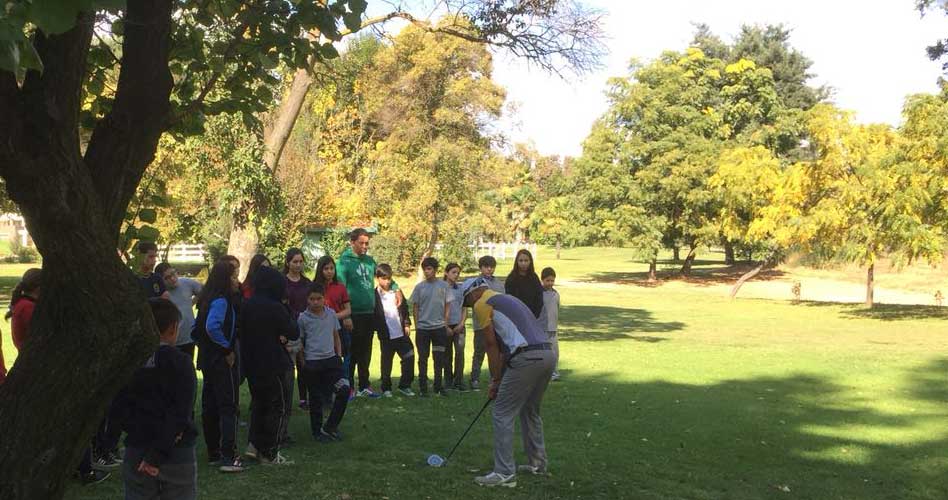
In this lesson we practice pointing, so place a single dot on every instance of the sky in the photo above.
(871, 53)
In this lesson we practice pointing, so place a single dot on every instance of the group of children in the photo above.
(262, 331)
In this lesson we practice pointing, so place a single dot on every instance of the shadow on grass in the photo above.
(704, 273)
(885, 312)
(601, 323)
(790, 436)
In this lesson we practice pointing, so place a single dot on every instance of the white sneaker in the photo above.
(251, 452)
(387, 394)
(279, 459)
(496, 479)
(406, 391)
(530, 469)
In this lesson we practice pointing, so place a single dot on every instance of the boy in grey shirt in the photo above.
(183, 292)
(322, 371)
(551, 313)
(430, 302)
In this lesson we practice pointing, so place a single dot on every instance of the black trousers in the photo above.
(406, 352)
(360, 351)
(110, 428)
(431, 342)
(325, 379)
(454, 359)
(219, 399)
(267, 419)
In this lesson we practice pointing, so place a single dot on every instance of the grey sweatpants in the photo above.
(520, 393)
(176, 480)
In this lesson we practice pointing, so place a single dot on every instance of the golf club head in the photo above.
(435, 460)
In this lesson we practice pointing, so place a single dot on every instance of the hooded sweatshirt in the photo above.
(357, 272)
(264, 319)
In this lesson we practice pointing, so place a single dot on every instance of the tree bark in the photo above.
(746, 277)
(689, 260)
(243, 243)
(558, 246)
(91, 328)
(870, 285)
(676, 253)
(653, 270)
(432, 242)
(729, 253)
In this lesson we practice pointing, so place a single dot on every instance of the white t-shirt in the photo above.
(392, 319)
(551, 309)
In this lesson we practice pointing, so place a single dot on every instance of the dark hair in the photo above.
(324, 261)
(29, 283)
(165, 312)
(358, 233)
(317, 288)
(147, 246)
(530, 270)
(547, 272)
(161, 268)
(290, 254)
(487, 261)
(449, 267)
(429, 262)
(218, 282)
(255, 264)
(234, 261)
(383, 271)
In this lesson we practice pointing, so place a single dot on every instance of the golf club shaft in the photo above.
(468, 429)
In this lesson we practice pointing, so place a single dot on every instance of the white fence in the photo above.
(186, 253)
(502, 250)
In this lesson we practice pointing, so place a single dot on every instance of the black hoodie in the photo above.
(264, 318)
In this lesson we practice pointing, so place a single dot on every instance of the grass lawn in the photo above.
(668, 392)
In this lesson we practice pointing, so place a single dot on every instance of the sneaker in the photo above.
(475, 386)
(322, 438)
(387, 394)
(279, 459)
(555, 377)
(368, 393)
(352, 394)
(460, 388)
(235, 465)
(94, 477)
(304, 405)
(406, 391)
(530, 469)
(495, 479)
(106, 462)
(214, 460)
(332, 435)
(251, 452)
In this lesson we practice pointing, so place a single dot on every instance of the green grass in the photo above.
(668, 392)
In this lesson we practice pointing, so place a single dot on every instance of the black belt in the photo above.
(545, 346)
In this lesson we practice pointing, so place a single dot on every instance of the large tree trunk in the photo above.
(689, 260)
(243, 244)
(746, 277)
(558, 247)
(676, 253)
(870, 285)
(653, 270)
(91, 328)
(729, 253)
(432, 242)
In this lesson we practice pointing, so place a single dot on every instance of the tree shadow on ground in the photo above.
(885, 312)
(796, 435)
(600, 323)
(799, 436)
(704, 273)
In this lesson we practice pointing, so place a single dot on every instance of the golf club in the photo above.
(436, 460)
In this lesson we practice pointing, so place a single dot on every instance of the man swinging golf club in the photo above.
(521, 362)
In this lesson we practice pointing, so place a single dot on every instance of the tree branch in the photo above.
(124, 141)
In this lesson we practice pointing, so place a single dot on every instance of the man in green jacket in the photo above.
(356, 269)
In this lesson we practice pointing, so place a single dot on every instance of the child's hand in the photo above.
(347, 323)
(283, 340)
(148, 469)
(406, 330)
(492, 390)
(231, 359)
(178, 438)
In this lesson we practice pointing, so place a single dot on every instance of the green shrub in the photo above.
(22, 254)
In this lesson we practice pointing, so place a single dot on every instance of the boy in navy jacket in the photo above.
(160, 460)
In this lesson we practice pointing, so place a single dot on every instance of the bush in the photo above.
(22, 254)
(402, 254)
(454, 248)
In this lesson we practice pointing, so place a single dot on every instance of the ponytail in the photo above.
(29, 283)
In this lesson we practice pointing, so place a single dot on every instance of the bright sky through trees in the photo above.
(871, 53)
